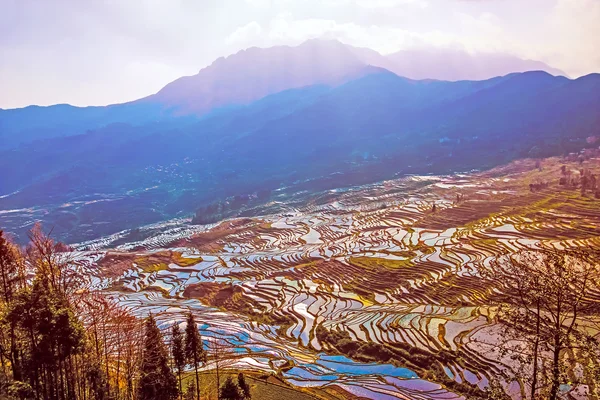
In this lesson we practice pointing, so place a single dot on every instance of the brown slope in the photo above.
(257, 72)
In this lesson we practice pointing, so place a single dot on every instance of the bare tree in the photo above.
(220, 354)
(50, 259)
(547, 301)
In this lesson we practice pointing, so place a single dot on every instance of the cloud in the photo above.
(101, 52)
(285, 29)
(391, 3)
(573, 35)
(96, 52)
(562, 33)
(245, 34)
(260, 3)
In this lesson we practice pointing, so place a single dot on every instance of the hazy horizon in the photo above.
(337, 199)
(92, 54)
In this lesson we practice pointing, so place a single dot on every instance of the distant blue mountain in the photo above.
(249, 75)
(370, 128)
(230, 82)
(23, 125)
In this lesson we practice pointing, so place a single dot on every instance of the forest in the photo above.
(59, 340)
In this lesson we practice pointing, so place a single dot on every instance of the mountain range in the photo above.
(251, 74)
(264, 123)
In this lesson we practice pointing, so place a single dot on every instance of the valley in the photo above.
(377, 289)
(296, 200)
(239, 139)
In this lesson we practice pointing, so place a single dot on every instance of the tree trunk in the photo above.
(555, 368)
(535, 351)
(218, 380)
(106, 356)
(180, 388)
(14, 351)
(4, 369)
(197, 378)
(78, 379)
(117, 389)
(62, 384)
(44, 379)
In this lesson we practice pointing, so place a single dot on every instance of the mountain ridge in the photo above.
(231, 81)
(316, 137)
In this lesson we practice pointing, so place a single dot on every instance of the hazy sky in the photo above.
(86, 52)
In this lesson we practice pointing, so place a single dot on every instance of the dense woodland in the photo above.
(58, 340)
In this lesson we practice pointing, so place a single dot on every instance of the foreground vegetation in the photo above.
(60, 341)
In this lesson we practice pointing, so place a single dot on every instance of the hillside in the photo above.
(378, 289)
(250, 75)
(368, 129)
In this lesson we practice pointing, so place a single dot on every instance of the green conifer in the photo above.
(230, 391)
(178, 352)
(244, 387)
(157, 381)
(194, 350)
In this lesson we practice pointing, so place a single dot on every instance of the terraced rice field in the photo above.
(397, 264)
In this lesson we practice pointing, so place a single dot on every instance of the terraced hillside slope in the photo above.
(376, 289)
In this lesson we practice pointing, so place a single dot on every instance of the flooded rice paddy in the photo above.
(398, 262)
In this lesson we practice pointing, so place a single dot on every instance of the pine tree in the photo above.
(178, 352)
(244, 387)
(194, 350)
(230, 391)
(157, 381)
(55, 334)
